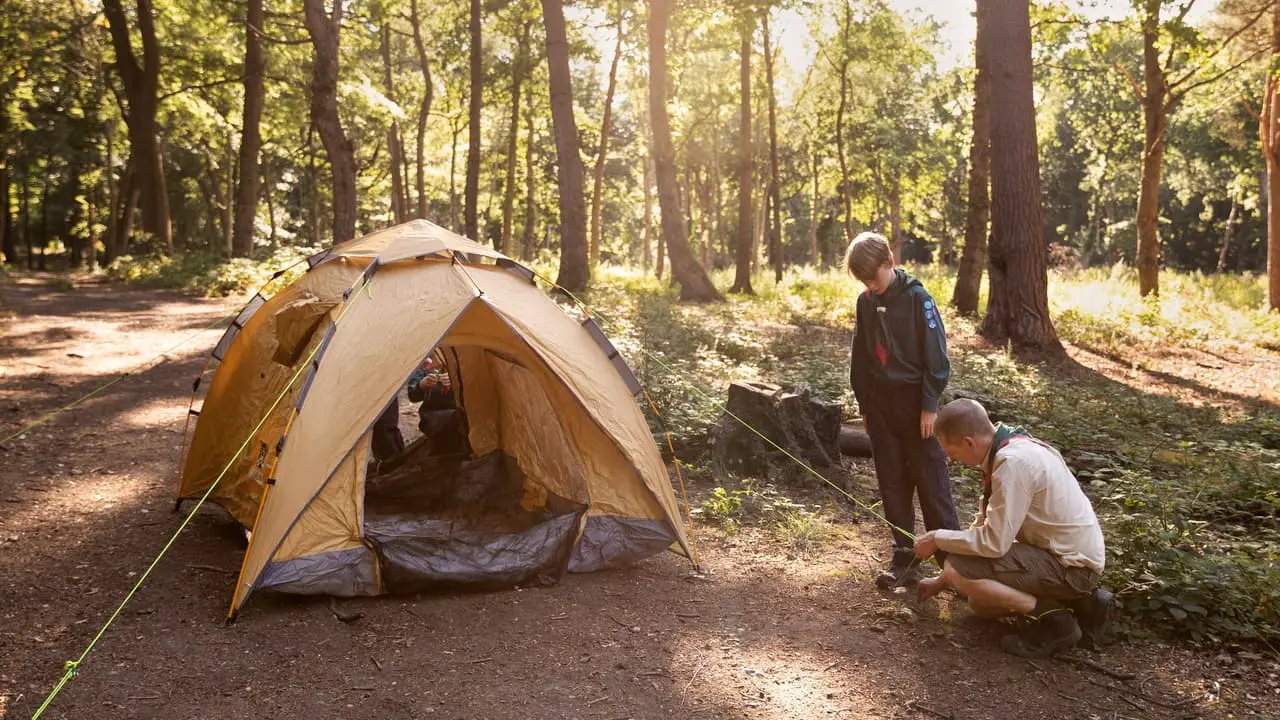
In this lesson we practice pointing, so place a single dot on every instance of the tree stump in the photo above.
(799, 423)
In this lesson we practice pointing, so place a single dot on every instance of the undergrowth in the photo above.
(795, 526)
(207, 273)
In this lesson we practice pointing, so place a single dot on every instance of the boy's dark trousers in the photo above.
(386, 438)
(906, 465)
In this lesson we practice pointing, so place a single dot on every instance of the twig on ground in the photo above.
(921, 707)
(619, 622)
(831, 665)
(702, 660)
(375, 662)
(1132, 702)
(687, 615)
(1137, 693)
(1035, 665)
(600, 699)
(211, 568)
(1117, 674)
(477, 661)
(655, 673)
(145, 697)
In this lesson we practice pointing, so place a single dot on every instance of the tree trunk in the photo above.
(520, 63)
(1018, 310)
(1154, 115)
(530, 183)
(814, 207)
(113, 194)
(845, 203)
(646, 237)
(453, 176)
(575, 273)
(695, 284)
(251, 135)
(775, 204)
(974, 255)
(24, 215)
(129, 198)
(896, 233)
(141, 83)
(424, 109)
(325, 30)
(7, 245)
(398, 209)
(1269, 129)
(228, 201)
(271, 208)
(746, 164)
(474, 101)
(1226, 234)
(313, 177)
(597, 191)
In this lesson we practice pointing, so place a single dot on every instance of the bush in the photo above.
(791, 524)
(205, 273)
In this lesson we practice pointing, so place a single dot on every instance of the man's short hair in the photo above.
(962, 418)
(866, 255)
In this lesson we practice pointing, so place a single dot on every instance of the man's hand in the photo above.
(926, 423)
(926, 545)
(930, 587)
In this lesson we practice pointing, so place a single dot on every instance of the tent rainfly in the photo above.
(562, 472)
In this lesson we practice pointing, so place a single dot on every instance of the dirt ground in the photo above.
(86, 501)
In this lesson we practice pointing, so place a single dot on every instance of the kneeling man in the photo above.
(1036, 548)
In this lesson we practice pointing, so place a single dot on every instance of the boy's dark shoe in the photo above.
(897, 575)
(1092, 613)
(1051, 634)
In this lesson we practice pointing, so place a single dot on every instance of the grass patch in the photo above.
(793, 525)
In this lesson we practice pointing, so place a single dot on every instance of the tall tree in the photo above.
(1018, 308)
(398, 209)
(575, 272)
(528, 234)
(250, 134)
(746, 162)
(695, 284)
(974, 256)
(470, 218)
(775, 209)
(141, 83)
(1269, 130)
(324, 29)
(1160, 94)
(424, 108)
(519, 66)
(845, 183)
(597, 190)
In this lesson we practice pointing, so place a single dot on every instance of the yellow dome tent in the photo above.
(549, 406)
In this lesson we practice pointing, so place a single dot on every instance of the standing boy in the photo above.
(898, 368)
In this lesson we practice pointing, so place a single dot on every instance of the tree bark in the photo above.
(228, 201)
(597, 191)
(1227, 232)
(1018, 310)
(1269, 130)
(775, 203)
(519, 65)
(398, 209)
(7, 246)
(646, 237)
(325, 30)
(695, 284)
(474, 101)
(453, 175)
(141, 83)
(896, 234)
(1154, 115)
(530, 183)
(845, 202)
(814, 207)
(251, 135)
(575, 272)
(974, 255)
(424, 108)
(746, 163)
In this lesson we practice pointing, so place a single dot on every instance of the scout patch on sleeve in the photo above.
(930, 314)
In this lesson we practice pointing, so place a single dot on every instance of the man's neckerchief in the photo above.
(1004, 435)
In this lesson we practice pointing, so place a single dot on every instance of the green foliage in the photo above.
(207, 274)
(790, 524)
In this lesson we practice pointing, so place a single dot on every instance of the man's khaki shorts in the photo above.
(1032, 570)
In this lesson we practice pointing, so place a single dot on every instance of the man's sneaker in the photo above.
(1092, 613)
(1052, 633)
(898, 576)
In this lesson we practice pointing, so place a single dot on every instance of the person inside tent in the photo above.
(387, 441)
(438, 415)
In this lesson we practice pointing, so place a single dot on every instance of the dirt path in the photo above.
(85, 504)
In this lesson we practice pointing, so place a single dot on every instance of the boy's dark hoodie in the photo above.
(899, 339)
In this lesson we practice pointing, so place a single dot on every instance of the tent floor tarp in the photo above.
(445, 522)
